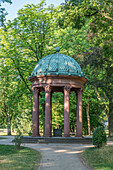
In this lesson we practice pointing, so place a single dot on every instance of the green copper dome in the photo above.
(57, 64)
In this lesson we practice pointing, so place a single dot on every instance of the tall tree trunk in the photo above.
(31, 101)
(8, 125)
(88, 118)
(110, 117)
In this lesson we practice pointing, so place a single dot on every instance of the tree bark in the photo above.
(88, 118)
(110, 117)
(8, 125)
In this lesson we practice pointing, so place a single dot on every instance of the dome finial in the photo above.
(57, 49)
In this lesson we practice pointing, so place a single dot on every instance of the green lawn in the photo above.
(110, 138)
(24, 159)
(101, 159)
(2, 138)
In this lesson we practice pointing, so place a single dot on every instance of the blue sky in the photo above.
(18, 4)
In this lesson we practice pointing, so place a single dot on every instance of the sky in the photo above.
(18, 4)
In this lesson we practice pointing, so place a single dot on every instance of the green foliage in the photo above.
(101, 158)
(97, 108)
(99, 137)
(9, 92)
(15, 96)
(18, 140)
(30, 133)
(99, 58)
(3, 12)
(57, 110)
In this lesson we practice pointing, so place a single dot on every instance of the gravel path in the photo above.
(57, 156)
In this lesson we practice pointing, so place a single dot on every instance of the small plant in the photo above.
(30, 133)
(99, 137)
(18, 140)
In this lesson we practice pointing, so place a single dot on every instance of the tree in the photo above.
(24, 41)
(99, 16)
(3, 12)
(9, 94)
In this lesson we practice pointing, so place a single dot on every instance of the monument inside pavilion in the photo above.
(57, 73)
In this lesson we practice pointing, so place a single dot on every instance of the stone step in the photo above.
(30, 139)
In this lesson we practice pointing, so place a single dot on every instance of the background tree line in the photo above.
(83, 30)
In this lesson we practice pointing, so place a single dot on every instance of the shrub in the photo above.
(18, 140)
(99, 137)
(30, 133)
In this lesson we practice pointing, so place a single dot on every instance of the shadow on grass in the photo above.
(9, 149)
(25, 158)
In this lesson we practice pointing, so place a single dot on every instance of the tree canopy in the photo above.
(3, 12)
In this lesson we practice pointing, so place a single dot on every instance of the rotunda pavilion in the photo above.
(57, 73)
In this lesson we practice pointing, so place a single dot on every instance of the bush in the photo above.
(18, 140)
(99, 137)
(30, 133)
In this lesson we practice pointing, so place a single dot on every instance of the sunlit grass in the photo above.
(24, 159)
(101, 159)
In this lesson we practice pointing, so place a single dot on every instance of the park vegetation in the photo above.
(99, 137)
(83, 30)
(3, 12)
(101, 158)
(25, 158)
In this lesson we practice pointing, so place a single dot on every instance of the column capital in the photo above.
(48, 88)
(67, 88)
(79, 90)
(35, 89)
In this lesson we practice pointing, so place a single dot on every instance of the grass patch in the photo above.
(101, 159)
(2, 138)
(11, 159)
(110, 138)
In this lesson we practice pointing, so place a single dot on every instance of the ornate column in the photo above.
(47, 111)
(66, 111)
(79, 113)
(35, 115)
